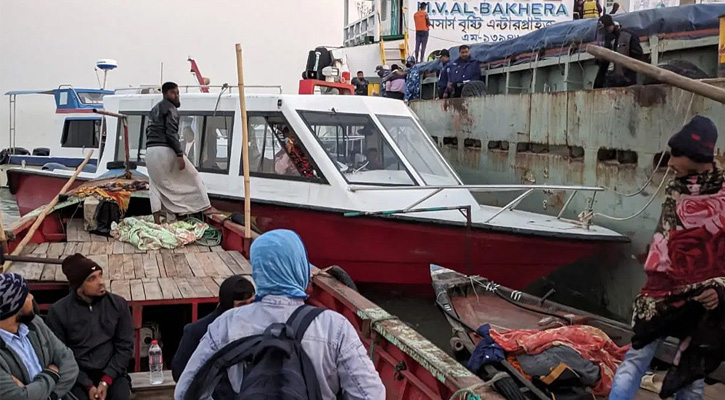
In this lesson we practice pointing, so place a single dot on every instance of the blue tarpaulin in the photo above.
(688, 18)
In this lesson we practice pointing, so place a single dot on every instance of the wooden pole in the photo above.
(245, 147)
(662, 75)
(41, 217)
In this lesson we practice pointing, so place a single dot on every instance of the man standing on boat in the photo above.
(174, 183)
(623, 42)
(465, 69)
(445, 59)
(97, 326)
(685, 273)
(281, 271)
(34, 364)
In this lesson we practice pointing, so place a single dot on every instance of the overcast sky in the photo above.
(45, 43)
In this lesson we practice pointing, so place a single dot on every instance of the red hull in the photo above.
(385, 250)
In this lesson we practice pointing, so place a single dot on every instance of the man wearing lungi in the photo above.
(175, 184)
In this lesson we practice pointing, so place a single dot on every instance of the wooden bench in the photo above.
(143, 389)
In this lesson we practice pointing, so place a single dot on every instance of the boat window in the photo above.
(275, 150)
(419, 151)
(357, 147)
(216, 143)
(136, 138)
(91, 98)
(80, 133)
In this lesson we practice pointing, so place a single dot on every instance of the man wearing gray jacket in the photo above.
(34, 364)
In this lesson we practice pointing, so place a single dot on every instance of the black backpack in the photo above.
(274, 363)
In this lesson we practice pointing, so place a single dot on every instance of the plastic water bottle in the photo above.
(156, 364)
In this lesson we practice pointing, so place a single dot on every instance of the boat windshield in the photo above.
(419, 151)
(358, 147)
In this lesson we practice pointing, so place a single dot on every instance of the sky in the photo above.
(45, 43)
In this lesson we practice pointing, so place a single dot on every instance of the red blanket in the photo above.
(593, 345)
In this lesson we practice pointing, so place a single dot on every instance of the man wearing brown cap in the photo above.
(98, 327)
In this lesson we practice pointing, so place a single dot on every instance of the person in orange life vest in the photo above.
(422, 25)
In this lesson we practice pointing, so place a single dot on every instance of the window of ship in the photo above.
(275, 150)
(205, 139)
(419, 150)
(81, 132)
(358, 148)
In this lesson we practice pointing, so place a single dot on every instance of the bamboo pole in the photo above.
(41, 217)
(245, 147)
(662, 75)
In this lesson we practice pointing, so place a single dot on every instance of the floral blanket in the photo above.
(590, 342)
(688, 250)
(143, 233)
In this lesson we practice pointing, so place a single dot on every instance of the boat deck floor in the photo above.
(191, 272)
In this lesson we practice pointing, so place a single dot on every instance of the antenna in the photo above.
(105, 65)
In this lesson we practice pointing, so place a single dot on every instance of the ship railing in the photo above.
(526, 189)
(186, 88)
(357, 32)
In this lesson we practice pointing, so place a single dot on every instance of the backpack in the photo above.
(274, 363)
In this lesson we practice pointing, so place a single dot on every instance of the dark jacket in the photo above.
(620, 76)
(163, 129)
(460, 71)
(193, 333)
(100, 334)
(443, 77)
(361, 86)
(47, 384)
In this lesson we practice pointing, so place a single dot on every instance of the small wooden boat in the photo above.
(166, 289)
(471, 301)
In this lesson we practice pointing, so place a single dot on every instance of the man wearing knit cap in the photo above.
(34, 364)
(623, 42)
(685, 272)
(98, 327)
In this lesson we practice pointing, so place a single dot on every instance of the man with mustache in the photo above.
(97, 326)
(34, 364)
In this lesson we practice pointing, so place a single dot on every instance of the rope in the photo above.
(211, 236)
(585, 217)
(469, 392)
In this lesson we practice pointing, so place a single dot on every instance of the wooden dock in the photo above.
(191, 272)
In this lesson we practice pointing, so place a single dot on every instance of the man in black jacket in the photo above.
(623, 42)
(175, 185)
(98, 327)
(235, 291)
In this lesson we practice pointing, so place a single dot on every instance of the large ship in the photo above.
(541, 123)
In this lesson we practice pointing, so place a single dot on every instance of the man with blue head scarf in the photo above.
(281, 271)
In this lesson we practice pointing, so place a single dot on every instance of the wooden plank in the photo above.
(217, 249)
(86, 248)
(231, 263)
(98, 248)
(203, 249)
(128, 248)
(237, 256)
(71, 248)
(206, 264)
(183, 270)
(117, 247)
(196, 268)
(83, 235)
(211, 285)
(98, 238)
(185, 288)
(165, 259)
(72, 228)
(181, 250)
(142, 387)
(122, 288)
(199, 289)
(219, 265)
(48, 274)
(138, 266)
(169, 289)
(136, 250)
(219, 280)
(55, 250)
(29, 271)
(59, 275)
(115, 266)
(150, 267)
(29, 248)
(42, 249)
(152, 289)
(128, 270)
(159, 263)
(192, 248)
(137, 292)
